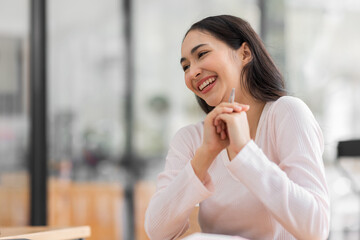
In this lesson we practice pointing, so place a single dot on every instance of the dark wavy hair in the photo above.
(263, 79)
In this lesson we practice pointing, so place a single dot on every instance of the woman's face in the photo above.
(211, 67)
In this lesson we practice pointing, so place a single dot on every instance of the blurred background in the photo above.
(115, 95)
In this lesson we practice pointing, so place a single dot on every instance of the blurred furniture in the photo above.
(350, 149)
(94, 204)
(45, 233)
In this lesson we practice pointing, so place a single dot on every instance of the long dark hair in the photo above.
(263, 79)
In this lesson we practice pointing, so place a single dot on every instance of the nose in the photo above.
(195, 72)
(192, 77)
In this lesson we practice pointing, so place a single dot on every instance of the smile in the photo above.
(206, 83)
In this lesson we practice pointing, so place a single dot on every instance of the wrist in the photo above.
(202, 161)
(238, 149)
(207, 152)
(210, 151)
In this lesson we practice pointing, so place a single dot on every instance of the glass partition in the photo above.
(14, 112)
(86, 101)
(322, 54)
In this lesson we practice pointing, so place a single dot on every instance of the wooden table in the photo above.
(45, 233)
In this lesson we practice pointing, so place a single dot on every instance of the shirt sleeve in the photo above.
(295, 190)
(178, 190)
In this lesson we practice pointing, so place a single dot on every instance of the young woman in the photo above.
(254, 166)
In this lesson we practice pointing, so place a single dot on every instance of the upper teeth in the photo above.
(206, 83)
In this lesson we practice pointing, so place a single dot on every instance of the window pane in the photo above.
(322, 56)
(14, 112)
(86, 95)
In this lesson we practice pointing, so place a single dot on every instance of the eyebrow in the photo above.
(193, 50)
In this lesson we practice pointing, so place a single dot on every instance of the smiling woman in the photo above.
(264, 81)
(254, 166)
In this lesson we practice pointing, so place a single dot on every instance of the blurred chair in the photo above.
(350, 148)
(345, 150)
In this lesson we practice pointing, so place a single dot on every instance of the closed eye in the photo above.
(185, 67)
(202, 54)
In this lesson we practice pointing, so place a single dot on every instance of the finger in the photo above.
(223, 135)
(219, 110)
(218, 128)
(217, 121)
(243, 107)
(225, 118)
(221, 126)
(226, 108)
(224, 131)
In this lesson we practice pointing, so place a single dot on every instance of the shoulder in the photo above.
(288, 107)
(291, 116)
(293, 125)
(190, 135)
(287, 102)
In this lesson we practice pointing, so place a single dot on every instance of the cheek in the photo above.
(188, 83)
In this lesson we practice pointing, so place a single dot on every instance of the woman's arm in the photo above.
(178, 188)
(295, 190)
(185, 181)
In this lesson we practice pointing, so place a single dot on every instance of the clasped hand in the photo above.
(226, 126)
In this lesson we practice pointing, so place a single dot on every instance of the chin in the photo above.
(212, 102)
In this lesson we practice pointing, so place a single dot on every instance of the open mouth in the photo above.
(206, 84)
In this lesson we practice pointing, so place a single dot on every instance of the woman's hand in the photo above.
(215, 134)
(215, 138)
(237, 129)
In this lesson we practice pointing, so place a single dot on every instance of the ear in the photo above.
(245, 53)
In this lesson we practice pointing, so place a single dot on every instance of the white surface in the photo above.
(205, 236)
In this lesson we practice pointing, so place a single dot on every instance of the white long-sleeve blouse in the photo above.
(275, 188)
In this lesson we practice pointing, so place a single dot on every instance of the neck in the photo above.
(254, 113)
